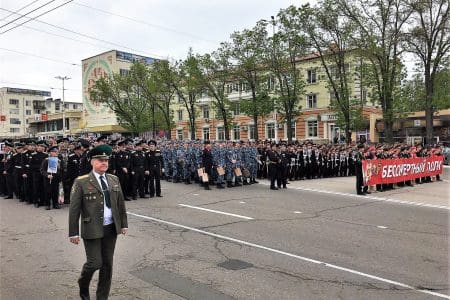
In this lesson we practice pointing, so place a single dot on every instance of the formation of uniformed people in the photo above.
(141, 165)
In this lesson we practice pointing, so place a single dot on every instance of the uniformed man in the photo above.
(123, 164)
(27, 189)
(19, 164)
(9, 170)
(97, 197)
(85, 166)
(51, 179)
(273, 161)
(73, 165)
(155, 168)
(359, 157)
(36, 160)
(138, 167)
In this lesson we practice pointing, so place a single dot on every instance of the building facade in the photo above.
(22, 109)
(98, 117)
(316, 122)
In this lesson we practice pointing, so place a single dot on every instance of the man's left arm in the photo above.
(122, 209)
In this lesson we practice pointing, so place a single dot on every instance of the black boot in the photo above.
(220, 186)
(229, 185)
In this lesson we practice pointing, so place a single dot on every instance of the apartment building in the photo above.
(316, 121)
(22, 109)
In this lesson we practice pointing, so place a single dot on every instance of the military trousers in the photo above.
(99, 256)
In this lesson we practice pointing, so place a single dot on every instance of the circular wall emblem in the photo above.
(95, 70)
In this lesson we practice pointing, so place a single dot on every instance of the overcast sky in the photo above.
(168, 29)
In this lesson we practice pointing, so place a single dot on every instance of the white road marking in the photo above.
(215, 211)
(373, 198)
(195, 194)
(382, 227)
(311, 260)
(297, 212)
(242, 202)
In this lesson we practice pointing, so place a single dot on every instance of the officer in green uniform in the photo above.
(97, 197)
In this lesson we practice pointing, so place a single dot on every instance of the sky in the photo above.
(33, 54)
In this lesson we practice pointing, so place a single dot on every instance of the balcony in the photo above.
(39, 105)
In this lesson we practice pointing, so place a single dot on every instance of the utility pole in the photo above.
(63, 103)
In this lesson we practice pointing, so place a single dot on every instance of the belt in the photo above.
(18, 167)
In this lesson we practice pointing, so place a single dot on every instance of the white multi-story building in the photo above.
(23, 111)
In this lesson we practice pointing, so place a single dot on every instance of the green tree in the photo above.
(156, 83)
(429, 41)
(330, 34)
(216, 69)
(380, 25)
(188, 85)
(124, 97)
(247, 53)
(285, 47)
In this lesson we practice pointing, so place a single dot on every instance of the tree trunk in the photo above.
(388, 135)
(153, 121)
(289, 128)
(429, 111)
(255, 128)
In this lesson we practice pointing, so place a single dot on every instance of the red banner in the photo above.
(378, 171)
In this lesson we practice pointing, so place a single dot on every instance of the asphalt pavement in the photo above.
(313, 240)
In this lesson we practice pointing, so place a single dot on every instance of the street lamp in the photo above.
(63, 102)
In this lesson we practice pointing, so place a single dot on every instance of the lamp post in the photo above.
(63, 103)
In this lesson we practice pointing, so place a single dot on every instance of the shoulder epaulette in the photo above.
(70, 155)
(83, 176)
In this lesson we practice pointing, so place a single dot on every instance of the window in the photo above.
(57, 106)
(27, 103)
(28, 112)
(236, 109)
(124, 72)
(312, 101)
(236, 132)
(312, 128)
(14, 111)
(271, 83)
(312, 78)
(251, 132)
(332, 96)
(180, 100)
(364, 96)
(180, 115)
(14, 121)
(220, 133)
(293, 129)
(270, 131)
(179, 134)
(14, 130)
(205, 112)
(66, 106)
(229, 88)
(75, 106)
(206, 133)
(14, 102)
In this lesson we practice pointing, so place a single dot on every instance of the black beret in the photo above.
(152, 142)
(101, 151)
(19, 145)
(9, 144)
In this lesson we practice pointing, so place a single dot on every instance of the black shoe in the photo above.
(151, 196)
(229, 185)
(48, 207)
(158, 195)
(245, 182)
(134, 198)
(284, 187)
(9, 197)
(84, 294)
(360, 193)
(143, 197)
(237, 184)
(56, 206)
(207, 187)
(219, 186)
(127, 199)
(36, 205)
(274, 188)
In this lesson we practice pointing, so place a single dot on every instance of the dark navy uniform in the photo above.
(38, 194)
(155, 164)
(138, 167)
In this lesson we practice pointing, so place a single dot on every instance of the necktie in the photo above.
(105, 192)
